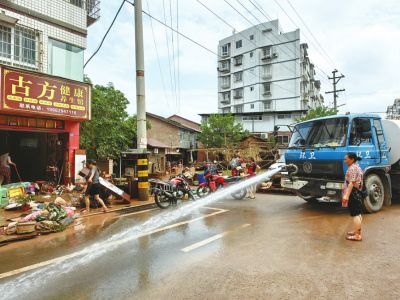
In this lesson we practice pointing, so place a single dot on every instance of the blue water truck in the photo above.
(318, 147)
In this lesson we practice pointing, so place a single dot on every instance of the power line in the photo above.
(158, 57)
(105, 35)
(169, 54)
(178, 55)
(309, 30)
(173, 55)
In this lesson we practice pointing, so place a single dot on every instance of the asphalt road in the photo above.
(274, 247)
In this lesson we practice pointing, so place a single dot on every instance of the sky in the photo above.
(360, 38)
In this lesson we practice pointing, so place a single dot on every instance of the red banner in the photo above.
(39, 94)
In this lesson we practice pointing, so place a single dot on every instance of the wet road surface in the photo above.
(276, 246)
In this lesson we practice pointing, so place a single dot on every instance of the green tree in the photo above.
(221, 131)
(111, 130)
(318, 112)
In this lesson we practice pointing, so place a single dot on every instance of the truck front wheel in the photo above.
(376, 193)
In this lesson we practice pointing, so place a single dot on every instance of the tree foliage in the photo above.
(318, 112)
(111, 130)
(221, 131)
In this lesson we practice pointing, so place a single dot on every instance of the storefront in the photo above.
(39, 121)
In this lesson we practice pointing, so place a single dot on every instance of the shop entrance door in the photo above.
(33, 151)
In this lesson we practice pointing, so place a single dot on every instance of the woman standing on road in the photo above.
(252, 169)
(352, 194)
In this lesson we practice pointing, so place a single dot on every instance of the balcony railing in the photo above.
(93, 11)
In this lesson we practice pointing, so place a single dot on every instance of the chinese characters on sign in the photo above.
(44, 95)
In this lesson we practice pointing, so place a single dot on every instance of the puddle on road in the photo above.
(26, 284)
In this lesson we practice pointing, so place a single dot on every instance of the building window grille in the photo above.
(267, 105)
(238, 93)
(238, 109)
(238, 44)
(252, 118)
(226, 49)
(267, 88)
(19, 47)
(238, 60)
(238, 76)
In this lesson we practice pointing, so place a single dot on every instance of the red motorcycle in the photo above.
(167, 193)
(214, 182)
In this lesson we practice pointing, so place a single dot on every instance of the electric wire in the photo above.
(168, 51)
(173, 55)
(309, 30)
(158, 56)
(105, 35)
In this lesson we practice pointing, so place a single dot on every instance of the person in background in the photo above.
(252, 168)
(93, 188)
(352, 195)
(5, 170)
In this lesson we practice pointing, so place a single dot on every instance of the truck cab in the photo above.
(318, 148)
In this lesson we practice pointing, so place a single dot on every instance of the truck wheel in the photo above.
(308, 198)
(376, 194)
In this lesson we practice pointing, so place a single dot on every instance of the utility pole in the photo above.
(142, 162)
(335, 79)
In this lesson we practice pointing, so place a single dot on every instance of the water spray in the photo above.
(25, 284)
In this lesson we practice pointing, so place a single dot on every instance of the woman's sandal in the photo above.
(351, 233)
(354, 238)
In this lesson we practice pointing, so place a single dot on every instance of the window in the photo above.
(226, 49)
(252, 118)
(251, 54)
(282, 139)
(225, 82)
(267, 88)
(226, 97)
(30, 122)
(284, 116)
(251, 88)
(267, 105)
(267, 52)
(224, 65)
(238, 93)
(19, 46)
(251, 37)
(238, 44)
(267, 71)
(239, 109)
(252, 106)
(238, 76)
(238, 60)
(78, 3)
(226, 110)
(65, 60)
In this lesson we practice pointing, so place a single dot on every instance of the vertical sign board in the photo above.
(80, 159)
(29, 93)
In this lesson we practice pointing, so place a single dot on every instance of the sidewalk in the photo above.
(7, 217)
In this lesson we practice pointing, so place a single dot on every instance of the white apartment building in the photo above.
(266, 79)
(393, 111)
(47, 36)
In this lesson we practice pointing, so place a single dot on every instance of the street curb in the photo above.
(122, 210)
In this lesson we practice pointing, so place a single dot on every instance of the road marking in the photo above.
(135, 213)
(211, 239)
(106, 245)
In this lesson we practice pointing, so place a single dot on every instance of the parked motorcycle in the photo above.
(169, 192)
(214, 182)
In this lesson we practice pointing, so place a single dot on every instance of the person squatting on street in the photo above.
(93, 188)
(352, 194)
(5, 170)
(252, 169)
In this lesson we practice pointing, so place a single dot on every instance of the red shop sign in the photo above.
(39, 94)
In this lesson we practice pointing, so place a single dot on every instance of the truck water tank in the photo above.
(392, 134)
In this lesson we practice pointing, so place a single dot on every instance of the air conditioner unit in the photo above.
(264, 136)
(267, 93)
(275, 55)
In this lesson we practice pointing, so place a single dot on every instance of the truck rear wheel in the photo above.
(376, 193)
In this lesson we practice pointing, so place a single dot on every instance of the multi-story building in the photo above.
(393, 111)
(43, 97)
(265, 78)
